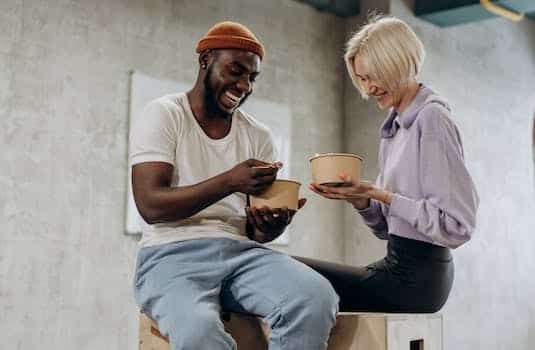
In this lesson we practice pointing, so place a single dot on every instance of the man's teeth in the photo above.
(232, 97)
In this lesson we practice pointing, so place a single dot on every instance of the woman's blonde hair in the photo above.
(389, 50)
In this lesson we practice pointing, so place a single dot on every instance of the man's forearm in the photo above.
(175, 203)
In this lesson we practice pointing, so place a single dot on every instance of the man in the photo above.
(195, 158)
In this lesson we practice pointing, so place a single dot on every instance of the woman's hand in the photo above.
(356, 193)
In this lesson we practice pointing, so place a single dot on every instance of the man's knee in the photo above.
(199, 330)
(318, 300)
(324, 298)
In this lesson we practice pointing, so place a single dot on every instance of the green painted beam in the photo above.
(340, 8)
(526, 6)
(452, 12)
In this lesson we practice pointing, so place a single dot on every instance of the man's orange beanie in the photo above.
(230, 35)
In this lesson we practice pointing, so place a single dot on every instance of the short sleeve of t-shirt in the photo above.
(268, 153)
(261, 138)
(153, 136)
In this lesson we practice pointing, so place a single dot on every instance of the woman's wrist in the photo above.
(382, 196)
(385, 197)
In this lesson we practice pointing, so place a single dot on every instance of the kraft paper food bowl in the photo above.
(281, 193)
(326, 167)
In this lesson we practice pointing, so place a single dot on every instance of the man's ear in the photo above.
(206, 58)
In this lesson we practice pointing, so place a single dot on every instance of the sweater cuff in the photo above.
(404, 208)
(371, 211)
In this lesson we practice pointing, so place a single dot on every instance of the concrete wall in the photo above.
(65, 265)
(487, 71)
(361, 136)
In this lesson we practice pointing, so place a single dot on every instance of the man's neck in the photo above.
(215, 126)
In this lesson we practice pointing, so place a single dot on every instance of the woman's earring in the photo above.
(203, 66)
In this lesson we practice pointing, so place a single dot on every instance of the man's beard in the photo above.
(210, 101)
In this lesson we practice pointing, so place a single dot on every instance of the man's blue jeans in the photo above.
(185, 285)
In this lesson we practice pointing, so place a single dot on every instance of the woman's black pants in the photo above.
(414, 277)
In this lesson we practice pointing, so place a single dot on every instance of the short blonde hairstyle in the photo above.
(389, 50)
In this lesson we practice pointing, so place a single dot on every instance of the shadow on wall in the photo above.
(530, 28)
(409, 4)
(531, 331)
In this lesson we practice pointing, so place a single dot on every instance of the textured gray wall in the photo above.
(361, 129)
(65, 265)
(487, 71)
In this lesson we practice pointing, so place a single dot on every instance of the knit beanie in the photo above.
(230, 35)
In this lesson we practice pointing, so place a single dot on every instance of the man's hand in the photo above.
(270, 223)
(252, 176)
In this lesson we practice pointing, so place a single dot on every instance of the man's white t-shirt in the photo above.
(168, 132)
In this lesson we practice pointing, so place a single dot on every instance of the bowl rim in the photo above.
(286, 180)
(352, 155)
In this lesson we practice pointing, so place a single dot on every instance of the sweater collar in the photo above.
(408, 116)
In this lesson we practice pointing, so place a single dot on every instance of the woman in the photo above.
(424, 201)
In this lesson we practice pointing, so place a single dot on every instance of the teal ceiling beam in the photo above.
(446, 13)
(340, 8)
